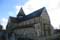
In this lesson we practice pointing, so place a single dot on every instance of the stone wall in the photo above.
(26, 33)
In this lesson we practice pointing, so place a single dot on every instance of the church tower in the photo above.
(13, 20)
(21, 13)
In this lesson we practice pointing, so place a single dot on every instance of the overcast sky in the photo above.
(11, 8)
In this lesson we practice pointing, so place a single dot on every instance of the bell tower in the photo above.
(20, 13)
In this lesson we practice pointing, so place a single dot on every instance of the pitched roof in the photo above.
(31, 15)
(27, 17)
(21, 13)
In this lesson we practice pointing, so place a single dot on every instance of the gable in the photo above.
(45, 16)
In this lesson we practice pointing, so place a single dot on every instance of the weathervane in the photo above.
(21, 2)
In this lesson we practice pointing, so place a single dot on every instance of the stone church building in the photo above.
(35, 26)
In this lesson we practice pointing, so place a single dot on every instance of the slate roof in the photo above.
(31, 15)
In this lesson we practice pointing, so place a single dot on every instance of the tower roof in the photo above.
(21, 13)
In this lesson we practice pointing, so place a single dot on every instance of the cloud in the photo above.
(54, 12)
(55, 17)
(17, 8)
(33, 5)
(52, 4)
(4, 22)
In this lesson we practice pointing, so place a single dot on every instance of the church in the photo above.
(35, 26)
